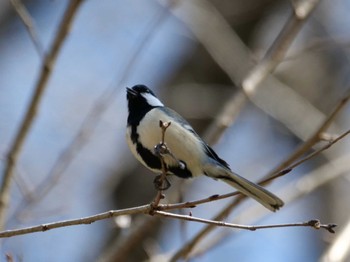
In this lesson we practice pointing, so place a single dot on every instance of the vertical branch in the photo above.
(29, 117)
(161, 149)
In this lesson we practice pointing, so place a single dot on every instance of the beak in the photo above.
(130, 92)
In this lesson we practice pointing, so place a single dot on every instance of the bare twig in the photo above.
(29, 24)
(27, 122)
(160, 150)
(315, 138)
(311, 223)
(339, 250)
(79, 221)
(317, 152)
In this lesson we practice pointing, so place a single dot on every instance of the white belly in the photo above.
(181, 142)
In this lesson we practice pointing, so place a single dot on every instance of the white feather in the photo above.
(152, 100)
(181, 142)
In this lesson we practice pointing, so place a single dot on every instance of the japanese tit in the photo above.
(192, 157)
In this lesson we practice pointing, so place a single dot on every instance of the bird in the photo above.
(190, 155)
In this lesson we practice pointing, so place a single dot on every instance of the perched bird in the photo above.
(191, 156)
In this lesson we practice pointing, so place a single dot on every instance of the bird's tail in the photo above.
(246, 187)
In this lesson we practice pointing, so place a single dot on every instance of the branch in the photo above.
(27, 122)
(160, 150)
(311, 223)
(78, 221)
(340, 248)
(315, 138)
(27, 20)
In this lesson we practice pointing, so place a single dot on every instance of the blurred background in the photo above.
(193, 54)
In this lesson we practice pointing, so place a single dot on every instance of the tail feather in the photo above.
(246, 187)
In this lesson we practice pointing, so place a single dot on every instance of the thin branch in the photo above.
(78, 221)
(161, 149)
(317, 152)
(339, 250)
(319, 45)
(316, 224)
(315, 138)
(28, 22)
(28, 120)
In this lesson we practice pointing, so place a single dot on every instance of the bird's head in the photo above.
(141, 99)
(141, 94)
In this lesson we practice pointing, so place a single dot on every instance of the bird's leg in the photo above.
(161, 182)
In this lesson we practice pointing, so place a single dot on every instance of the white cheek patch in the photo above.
(152, 100)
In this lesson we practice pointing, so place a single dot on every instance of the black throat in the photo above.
(138, 108)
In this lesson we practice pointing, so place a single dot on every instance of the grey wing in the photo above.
(179, 119)
(208, 150)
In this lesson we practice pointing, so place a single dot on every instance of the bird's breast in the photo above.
(182, 143)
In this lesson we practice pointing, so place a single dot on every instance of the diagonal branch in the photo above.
(29, 117)
(277, 51)
(315, 138)
(29, 24)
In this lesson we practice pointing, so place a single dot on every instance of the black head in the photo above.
(141, 99)
(138, 90)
